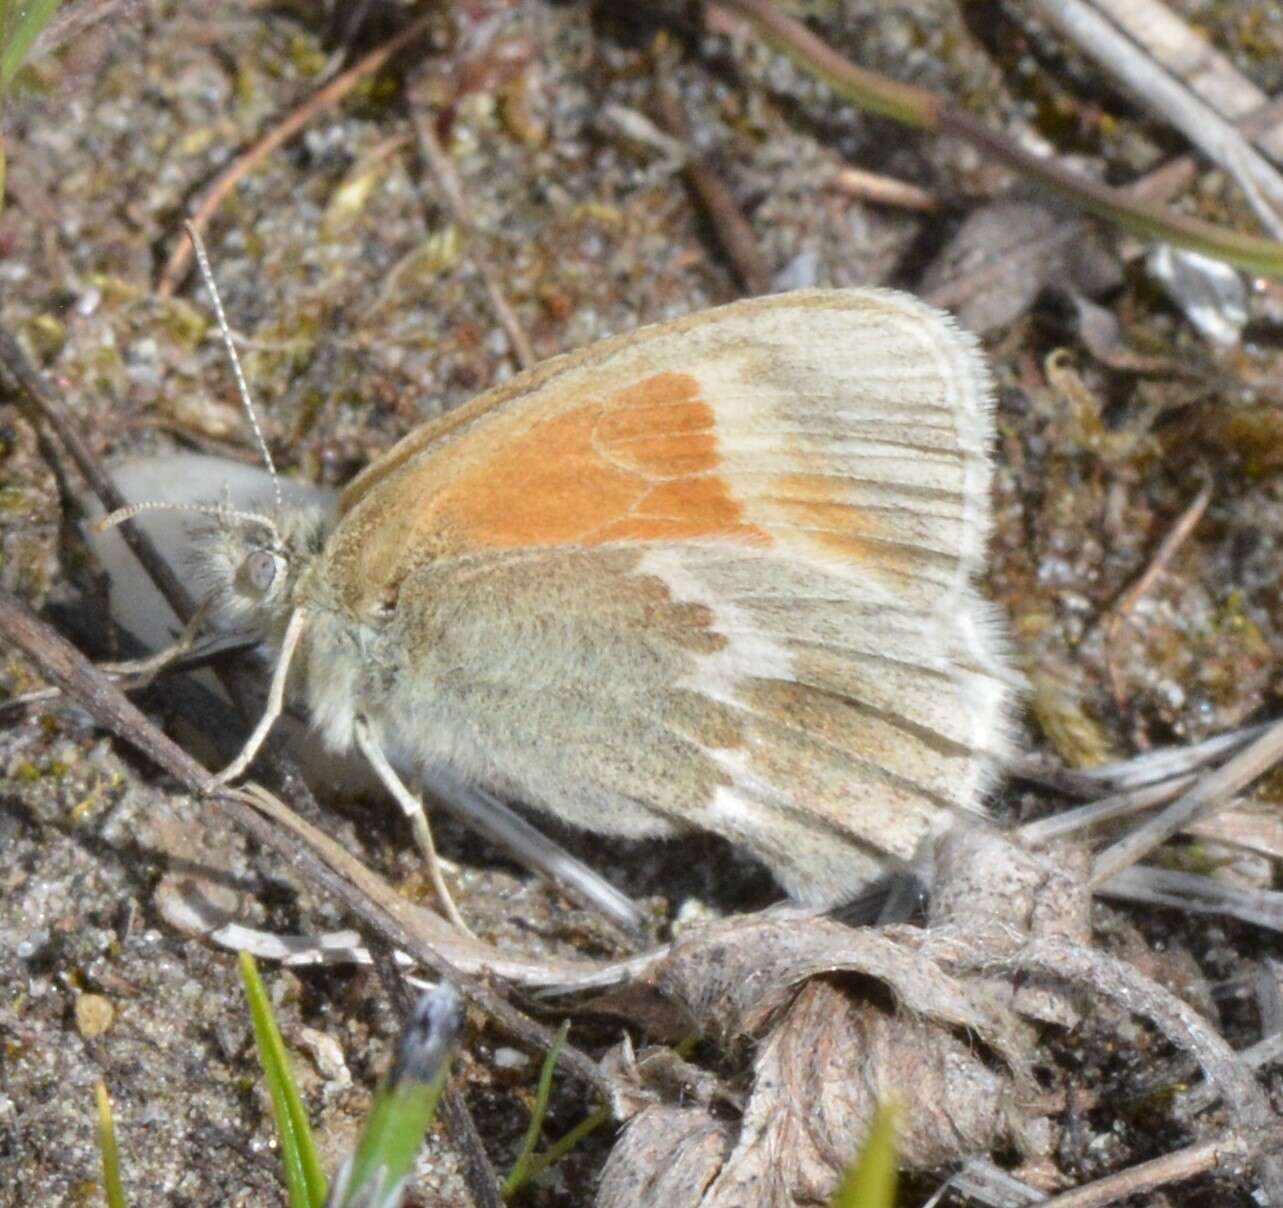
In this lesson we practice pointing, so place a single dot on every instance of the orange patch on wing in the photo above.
(814, 488)
(662, 390)
(704, 497)
(815, 503)
(641, 423)
(639, 466)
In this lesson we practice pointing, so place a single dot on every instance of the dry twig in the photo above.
(1175, 1167)
(1167, 548)
(447, 179)
(729, 225)
(328, 96)
(884, 190)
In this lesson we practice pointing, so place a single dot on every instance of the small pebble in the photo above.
(94, 1015)
(327, 1056)
(510, 1059)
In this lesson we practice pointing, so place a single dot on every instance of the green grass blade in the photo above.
(531, 1165)
(871, 1182)
(21, 24)
(378, 1171)
(113, 1188)
(303, 1175)
(562, 1146)
(520, 1168)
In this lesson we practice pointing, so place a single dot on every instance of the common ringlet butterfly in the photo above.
(715, 574)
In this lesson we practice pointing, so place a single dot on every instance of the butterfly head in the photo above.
(255, 567)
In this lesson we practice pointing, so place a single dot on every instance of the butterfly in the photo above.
(716, 574)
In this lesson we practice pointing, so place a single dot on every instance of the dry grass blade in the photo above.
(1107, 809)
(1165, 763)
(1211, 790)
(331, 94)
(1196, 894)
(917, 107)
(1171, 100)
(1188, 54)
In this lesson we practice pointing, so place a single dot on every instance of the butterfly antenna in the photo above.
(120, 515)
(247, 403)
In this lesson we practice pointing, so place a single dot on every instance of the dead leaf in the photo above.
(1003, 256)
(847, 1019)
(820, 1078)
(734, 975)
(667, 1156)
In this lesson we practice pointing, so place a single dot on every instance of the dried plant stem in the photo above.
(1167, 549)
(447, 179)
(326, 98)
(729, 225)
(1149, 1176)
(924, 110)
(1137, 71)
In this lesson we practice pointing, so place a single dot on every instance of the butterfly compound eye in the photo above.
(258, 571)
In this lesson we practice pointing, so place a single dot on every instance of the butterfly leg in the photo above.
(412, 807)
(142, 671)
(484, 814)
(275, 701)
(132, 675)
